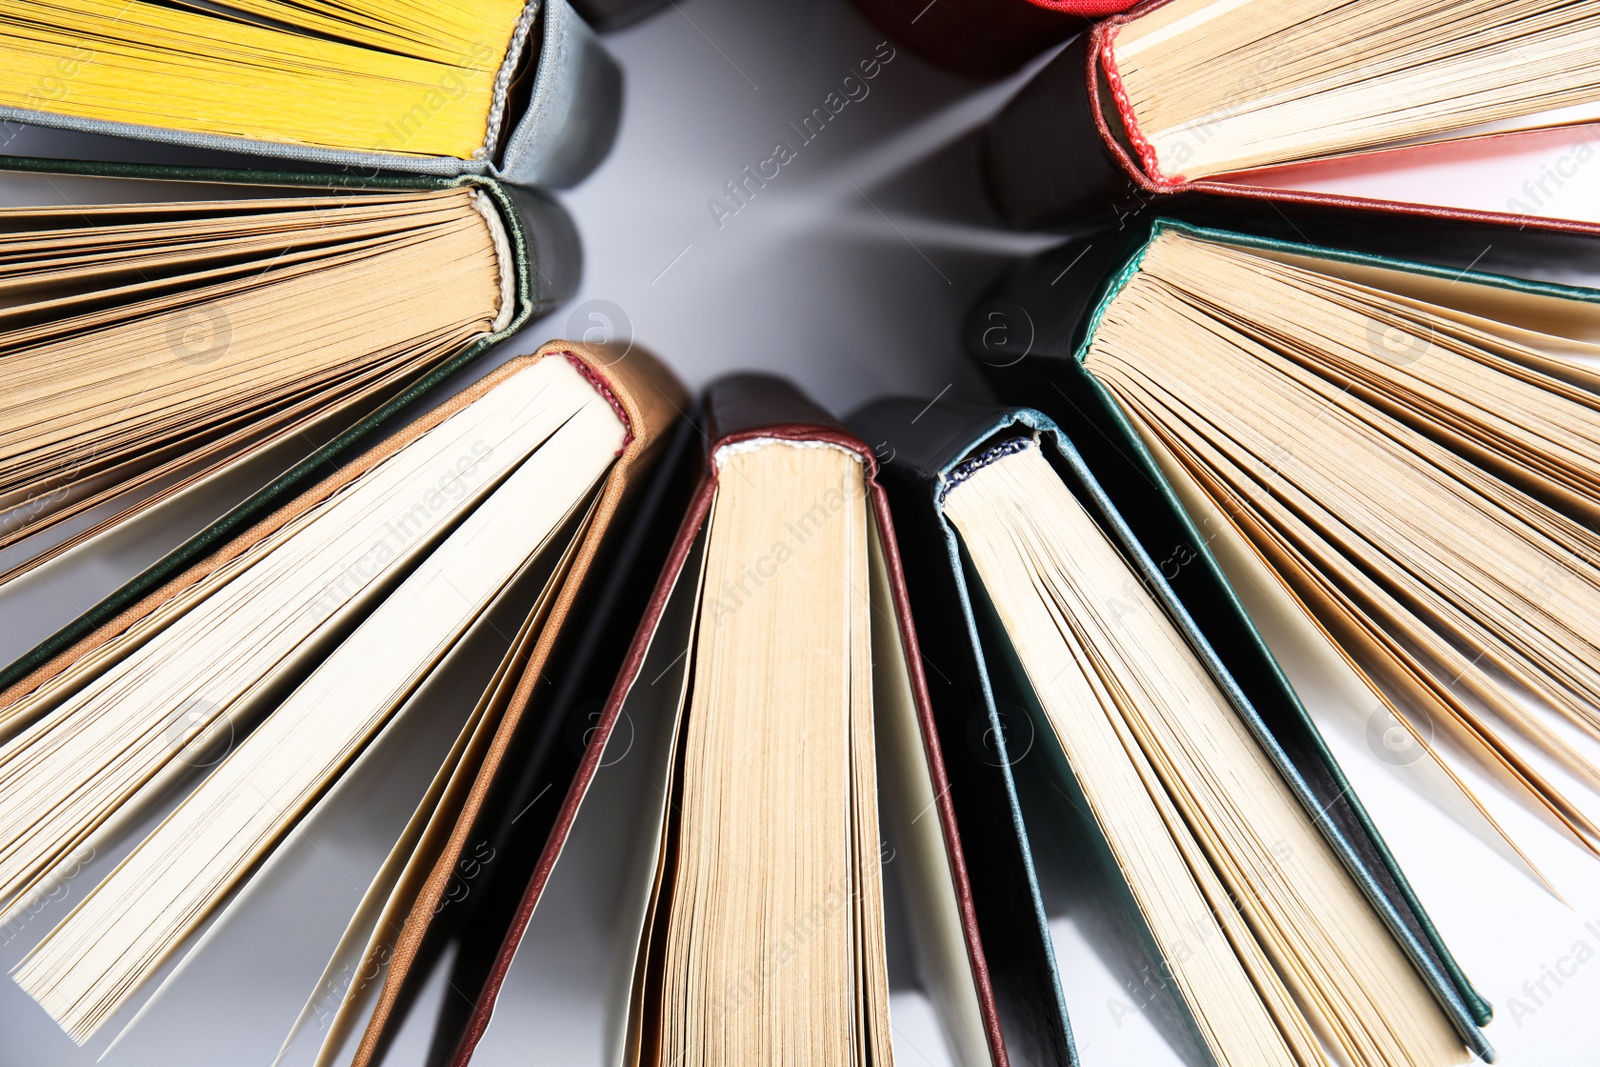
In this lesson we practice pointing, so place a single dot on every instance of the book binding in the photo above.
(563, 133)
(1039, 173)
(1054, 378)
(739, 409)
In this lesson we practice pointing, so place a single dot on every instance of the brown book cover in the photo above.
(649, 399)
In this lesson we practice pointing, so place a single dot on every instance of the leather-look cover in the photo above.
(919, 445)
(524, 216)
(1051, 294)
(649, 399)
(737, 408)
(1043, 156)
(1042, 168)
(1053, 378)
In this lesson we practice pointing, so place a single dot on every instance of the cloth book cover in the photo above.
(996, 784)
(740, 412)
(1071, 145)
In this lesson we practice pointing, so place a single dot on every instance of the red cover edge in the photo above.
(941, 783)
(1104, 32)
(1092, 9)
(687, 531)
(1103, 49)
(581, 781)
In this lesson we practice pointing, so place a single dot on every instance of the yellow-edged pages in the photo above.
(415, 78)
(1206, 832)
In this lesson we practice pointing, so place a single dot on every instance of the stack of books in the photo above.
(1295, 380)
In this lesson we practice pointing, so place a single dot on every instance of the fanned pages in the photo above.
(350, 980)
(516, 89)
(378, 819)
(1329, 76)
(1428, 106)
(301, 644)
(1269, 940)
(145, 344)
(1414, 456)
(377, 54)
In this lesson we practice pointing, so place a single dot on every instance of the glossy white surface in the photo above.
(850, 272)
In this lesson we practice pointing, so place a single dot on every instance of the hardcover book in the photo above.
(1197, 810)
(344, 621)
(519, 90)
(792, 780)
(1473, 110)
(174, 336)
(1385, 446)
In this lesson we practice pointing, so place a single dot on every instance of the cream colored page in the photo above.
(1256, 414)
(89, 964)
(1231, 1017)
(1273, 82)
(1318, 668)
(1289, 885)
(83, 762)
(915, 828)
(761, 949)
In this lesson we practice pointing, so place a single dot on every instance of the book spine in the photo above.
(574, 107)
(1008, 905)
(1038, 312)
(545, 243)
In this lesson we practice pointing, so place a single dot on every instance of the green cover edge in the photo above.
(1410, 266)
(1482, 1011)
(261, 502)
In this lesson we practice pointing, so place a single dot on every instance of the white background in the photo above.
(850, 272)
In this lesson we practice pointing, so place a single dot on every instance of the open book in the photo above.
(159, 332)
(1143, 765)
(1475, 106)
(255, 679)
(773, 720)
(506, 88)
(1458, 571)
(1397, 458)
